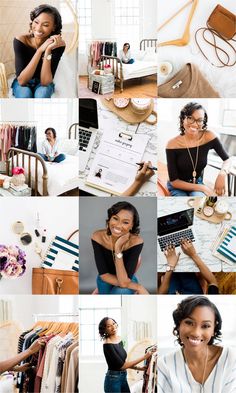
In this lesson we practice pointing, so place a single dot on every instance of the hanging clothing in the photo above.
(150, 374)
(23, 137)
(99, 48)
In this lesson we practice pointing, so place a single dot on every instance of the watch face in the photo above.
(49, 57)
(119, 255)
(167, 268)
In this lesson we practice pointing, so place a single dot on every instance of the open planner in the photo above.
(115, 164)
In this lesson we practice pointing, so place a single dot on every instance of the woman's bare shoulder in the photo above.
(209, 136)
(173, 143)
(98, 235)
(135, 240)
(23, 38)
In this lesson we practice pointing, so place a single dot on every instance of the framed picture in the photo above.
(96, 87)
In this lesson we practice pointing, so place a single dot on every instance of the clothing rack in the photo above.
(18, 121)
(57, 315)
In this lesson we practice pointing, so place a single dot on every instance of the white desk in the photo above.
(108, 120)
(206, 233)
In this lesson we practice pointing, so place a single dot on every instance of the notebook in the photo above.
(88, 126)
(62, 254)
(227, 247)
(115, 164)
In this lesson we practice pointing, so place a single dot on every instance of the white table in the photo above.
(107, 121)
(206, 233)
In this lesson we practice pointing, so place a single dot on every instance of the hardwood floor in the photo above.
(134, 88)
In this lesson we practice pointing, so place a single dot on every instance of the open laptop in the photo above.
(174, 227)
(88, 126)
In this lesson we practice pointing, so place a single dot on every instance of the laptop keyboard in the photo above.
(84, 138)
(175, 238)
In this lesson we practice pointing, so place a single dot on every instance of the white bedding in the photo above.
(62, 177)
(139, 69)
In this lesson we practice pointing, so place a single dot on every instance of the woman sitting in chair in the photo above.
(117, 251)
(38, 53)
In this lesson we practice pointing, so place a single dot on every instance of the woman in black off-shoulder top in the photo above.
(116, 358)
(117, 251)
(37, 54)
(187, 155)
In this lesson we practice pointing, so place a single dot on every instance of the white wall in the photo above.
(58, 215)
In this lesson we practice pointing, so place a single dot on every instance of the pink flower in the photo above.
(18, 170)
(13, 251)
(12, 270)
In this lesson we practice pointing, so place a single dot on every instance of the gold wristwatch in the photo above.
(170, 268)
(119, 255)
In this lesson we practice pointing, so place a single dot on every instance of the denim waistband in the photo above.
(114, 372)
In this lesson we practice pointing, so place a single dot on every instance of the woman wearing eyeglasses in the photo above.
(187, 155)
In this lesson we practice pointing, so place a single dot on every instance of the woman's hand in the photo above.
(144, 172)
(207, 190)
(171, 256)
(188, 248)
(35, 347)
(22, 368)
(142, 291)
(57, 42)
(46, 44)
(220, 184)
(121, 242)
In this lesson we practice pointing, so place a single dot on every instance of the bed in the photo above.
(145, 63)
(46, 178)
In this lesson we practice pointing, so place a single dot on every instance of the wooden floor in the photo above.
(135, 88)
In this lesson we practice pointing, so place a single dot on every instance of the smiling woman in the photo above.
(187, 155)
(200, 365)
(117, 251)
(38, 53)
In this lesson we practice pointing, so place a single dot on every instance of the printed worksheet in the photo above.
(115, 164)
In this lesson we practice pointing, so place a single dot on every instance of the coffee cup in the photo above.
(221, 210)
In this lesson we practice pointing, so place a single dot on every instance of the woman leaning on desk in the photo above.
(187, 155)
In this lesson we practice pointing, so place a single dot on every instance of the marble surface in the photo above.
(206, 233)
(109, 120)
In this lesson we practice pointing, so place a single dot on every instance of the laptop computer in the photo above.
(174, 227)
(88, 126)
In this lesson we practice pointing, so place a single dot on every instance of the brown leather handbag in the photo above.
(54, 281)
(221, 24)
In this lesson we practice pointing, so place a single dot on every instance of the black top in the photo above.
(115, 355)
(105, 263)
(24, 53)
(180, 165)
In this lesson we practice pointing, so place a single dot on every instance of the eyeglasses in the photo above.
(191, 120)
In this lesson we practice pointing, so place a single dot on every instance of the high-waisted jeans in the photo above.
(104, 288)
(116, 382)
(178, 192)
(33, 89)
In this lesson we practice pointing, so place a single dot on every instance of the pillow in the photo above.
(69, 146)
(138, 55)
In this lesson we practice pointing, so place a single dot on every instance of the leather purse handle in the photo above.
(217, 48)
(72, 234)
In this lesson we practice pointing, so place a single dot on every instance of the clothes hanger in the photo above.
(184, 40)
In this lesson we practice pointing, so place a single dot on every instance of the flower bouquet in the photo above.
(18, 178)
(12, 261)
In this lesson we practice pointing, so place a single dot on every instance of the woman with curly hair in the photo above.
(38, 53)
(117, 251)
(187, 155)
(115, 354)
(199, 366)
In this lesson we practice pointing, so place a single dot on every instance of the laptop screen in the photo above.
(175, 222)
(88, 113)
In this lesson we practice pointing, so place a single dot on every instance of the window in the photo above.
(127, 15)
(59, 114)
(92, 310)
(85, 23)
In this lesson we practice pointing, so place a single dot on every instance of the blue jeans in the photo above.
(116, 382)
(184, 283)
(178, 192)
(108, 289)
(33, 89)
(131, 61)
(59, 158)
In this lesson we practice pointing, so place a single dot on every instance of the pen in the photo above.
(154, 168)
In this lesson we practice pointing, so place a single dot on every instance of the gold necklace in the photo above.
(194, 173)
(204, 370)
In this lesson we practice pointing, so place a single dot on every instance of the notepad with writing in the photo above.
(62, 254)
(115, 164)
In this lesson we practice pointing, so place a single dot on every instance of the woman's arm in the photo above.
(9, 364)
(133, 363)
(143, 175)
(112, 279)
(185, 186)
